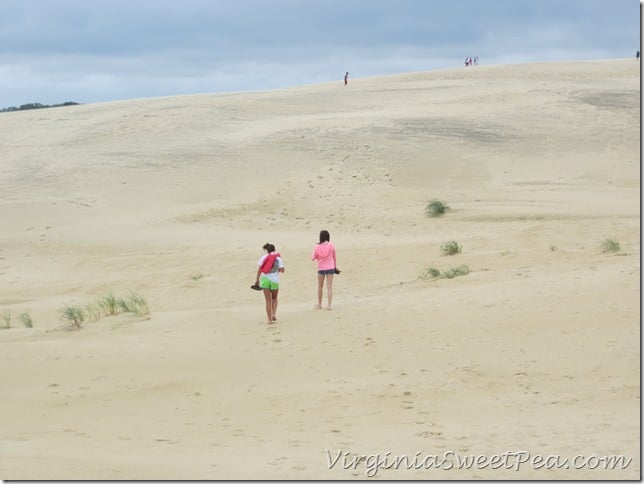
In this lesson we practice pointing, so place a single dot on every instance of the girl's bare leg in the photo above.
(269, 304)
(274, 305)
(329, 289)
(320, 288)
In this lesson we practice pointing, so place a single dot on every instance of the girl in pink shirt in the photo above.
(324, 253)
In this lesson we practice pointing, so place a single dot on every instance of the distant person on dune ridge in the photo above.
(346, 78)
(324, 253)
(268, 279)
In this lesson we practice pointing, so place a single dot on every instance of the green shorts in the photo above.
(266, 283)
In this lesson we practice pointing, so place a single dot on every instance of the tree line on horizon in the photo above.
(25, 107)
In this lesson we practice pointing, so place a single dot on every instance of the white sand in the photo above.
(536, 350)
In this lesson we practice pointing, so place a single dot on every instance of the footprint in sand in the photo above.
(165, 441)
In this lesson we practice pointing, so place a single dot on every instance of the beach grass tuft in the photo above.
(26, 320)
(134, 303)
(610, 245)
(109, 305)
(93, 311)
(6, 317)
(72, 315)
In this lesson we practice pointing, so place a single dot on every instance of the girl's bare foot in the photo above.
(318, 306)
(274, 318)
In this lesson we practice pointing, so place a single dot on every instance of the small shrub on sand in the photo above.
(461, 270)
(450, 248)
(610, 245)
(196, 276)
(430, 273)
(436, 208)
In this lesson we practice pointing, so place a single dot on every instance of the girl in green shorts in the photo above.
(268, 279)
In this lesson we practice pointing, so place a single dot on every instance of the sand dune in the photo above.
(535, 350)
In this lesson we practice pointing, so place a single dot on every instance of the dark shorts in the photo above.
(326, 272)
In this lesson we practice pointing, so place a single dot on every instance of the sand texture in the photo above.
(537, 349)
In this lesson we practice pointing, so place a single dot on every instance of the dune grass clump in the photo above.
(433, 273)
(461, 270)
(6, 317)
(435, 208)
(134, 303)
(451, 248)
(610, 245)
(72, 315)
(430, 273)
(93, 311)
(109, 305)
(26, 320)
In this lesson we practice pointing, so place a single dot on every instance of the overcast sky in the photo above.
(53, 51)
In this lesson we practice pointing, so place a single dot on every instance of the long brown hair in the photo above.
(325, 236)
